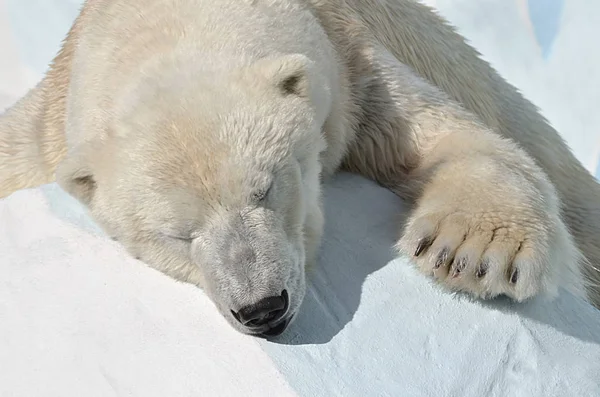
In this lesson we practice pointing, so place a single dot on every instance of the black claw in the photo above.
(424, 243)
(483, 269)
(459, 266)
(442, 258)
(514, 277)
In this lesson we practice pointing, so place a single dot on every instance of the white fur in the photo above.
(198, 132)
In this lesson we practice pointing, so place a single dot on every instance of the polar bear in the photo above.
(199, 132)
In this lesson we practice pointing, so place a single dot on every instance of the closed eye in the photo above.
(176, 235)
(186, 239)
(182, 238)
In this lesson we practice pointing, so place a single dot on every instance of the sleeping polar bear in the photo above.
(198, 133)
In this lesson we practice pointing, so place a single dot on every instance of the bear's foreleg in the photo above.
(486, 219)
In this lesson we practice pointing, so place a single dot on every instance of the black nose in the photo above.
(264, 311)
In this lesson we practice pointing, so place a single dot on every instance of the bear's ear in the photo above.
(289, 73)
(75, 176)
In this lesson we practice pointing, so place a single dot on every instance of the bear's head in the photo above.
(213, 177)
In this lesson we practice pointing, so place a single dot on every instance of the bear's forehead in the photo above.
(212, 168)
(229, 151)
